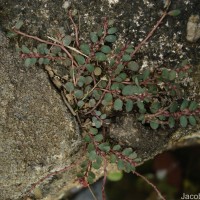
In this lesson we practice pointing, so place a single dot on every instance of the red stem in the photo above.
(46, 42)
(151, 184)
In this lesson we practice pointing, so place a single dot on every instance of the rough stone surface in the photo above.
(34, 129)
(37, 133)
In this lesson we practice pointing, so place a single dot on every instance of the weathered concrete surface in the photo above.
(37, 134)
(34, 122)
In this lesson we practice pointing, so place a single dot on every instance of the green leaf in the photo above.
(96, 165)
(171, 122)
(91, 174)
(80, 175)
(137, 160)
(129, 167)
(165, 74)
(90, 147)
(172, 75)
(87, 138)
(131, 90)
(161, 117)
(152, 89)
(25, 49)
(115, 176)
(97, 94)
(140, 105)
(111, 62)
(89, 67)
(19, 24)
(119, 68)
(104, 147)
(67, 40)
(184, 104)
(99, 56)
(81, 81)
(133, 155)
(100, 32)
(92, 103)
(108, 97)
(113, 158)
(112, 30)
(97, 71)
(183, 121)
(69, 86)
(192, 120)
(84, 164)
(90, 180)
(129, 50)
(88, 80)
(93, 37)
(181, 75)
(93, 131)
(41, 61)
(103, 116)
(118, 104)
(116, 147)
(141, 117)
(105, 49)
(42, 48)
(111, 22)
(133, 66)
(33, 61)
(121, 77)
(102, 84)
(85, 48)
(78, 94)
(80, 103)
(127, 151)
(11, 34)
(154, 125)
(136, 81)
(115, 86)
(155, 106)
(129, 105)
(126, 57)
(91, 177)
(120, 164)
(110, 38)
(174, 13)
(99, 159)
(173, 107)
(55, 50)
(46, 61)
(146, 74)
(27, 62)
(92, 155)
(97, 123)
(117, 50)
(193, 105)
(98, 138)
(80, 59)
(97, 112)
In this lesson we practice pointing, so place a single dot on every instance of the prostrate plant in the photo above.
(103, 80)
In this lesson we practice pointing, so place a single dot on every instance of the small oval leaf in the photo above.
(93, 37)
(100, 56)
(183, 121)
(67, 40)
(110, 38)
(118, 104)
(112, 30)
